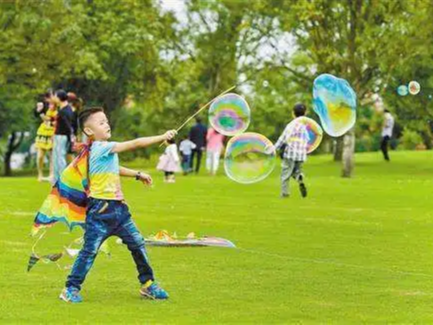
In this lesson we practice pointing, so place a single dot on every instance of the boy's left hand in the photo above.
(146, 179)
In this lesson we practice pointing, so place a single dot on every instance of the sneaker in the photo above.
(303, 189)
(71, 295)
(153, 291)
(284, 195)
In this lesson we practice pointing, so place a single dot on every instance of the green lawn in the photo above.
(356, 250)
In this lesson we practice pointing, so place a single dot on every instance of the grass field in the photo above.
(356, 250)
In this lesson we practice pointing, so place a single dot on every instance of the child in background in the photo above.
(295, 153)
(169, 162)
(185, 148)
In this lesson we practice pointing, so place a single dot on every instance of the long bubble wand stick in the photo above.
(201, 108)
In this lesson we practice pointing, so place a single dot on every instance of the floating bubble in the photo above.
(414, 87)
(335, 103)
(249, 158)
(402, 90)
(230, 114)
(304, 129)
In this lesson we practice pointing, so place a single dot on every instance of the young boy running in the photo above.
(107, 214)
(295, 153)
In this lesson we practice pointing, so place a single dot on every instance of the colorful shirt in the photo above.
(296, 139)
(104, 172)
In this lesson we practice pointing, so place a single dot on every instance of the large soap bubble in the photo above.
(304, 129)
(335, 103)
(249, 158)
(230, 114)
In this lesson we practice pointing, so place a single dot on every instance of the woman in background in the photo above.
(47, 112)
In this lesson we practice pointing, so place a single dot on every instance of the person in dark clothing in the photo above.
(197, 135)
(76, 105)
(63, 134)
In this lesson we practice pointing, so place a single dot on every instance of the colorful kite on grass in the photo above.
(163, 238)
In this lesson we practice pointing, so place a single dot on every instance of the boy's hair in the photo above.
(386, 111)
(299, 109)
(62, 95)
(198, 119)
(171, 141)
(86, 113)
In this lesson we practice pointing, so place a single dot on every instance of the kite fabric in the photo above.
(66, 203)
(163, 238)
(68, 198)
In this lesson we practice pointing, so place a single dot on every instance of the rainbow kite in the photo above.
(67, 200)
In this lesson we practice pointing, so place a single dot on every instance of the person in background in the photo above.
(295, 153)
(197, 135)
(63, 133)
(215, 144)
(76, 105)
(186, 147)
(387, 129)
(47, 112)
(169, 162)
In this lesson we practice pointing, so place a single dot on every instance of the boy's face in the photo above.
(98, 127)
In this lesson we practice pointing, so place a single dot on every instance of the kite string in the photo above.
(37, 241)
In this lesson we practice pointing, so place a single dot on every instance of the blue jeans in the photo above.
(107, 218)
(186, 163)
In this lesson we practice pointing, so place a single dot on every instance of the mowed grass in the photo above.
(356, 250)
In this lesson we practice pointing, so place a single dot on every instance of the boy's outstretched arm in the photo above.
(145, 178)
(142, 142)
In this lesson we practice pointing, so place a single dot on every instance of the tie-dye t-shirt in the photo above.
(104, 172)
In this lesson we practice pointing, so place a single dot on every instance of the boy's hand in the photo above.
(145, 179)
(170, 135)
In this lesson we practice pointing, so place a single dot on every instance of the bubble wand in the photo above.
(201, 108)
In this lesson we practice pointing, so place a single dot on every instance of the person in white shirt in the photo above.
(186, 147)
(387, 128)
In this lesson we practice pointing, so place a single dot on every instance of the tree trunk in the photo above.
(338, 149)
(12, 146)
(348, 153)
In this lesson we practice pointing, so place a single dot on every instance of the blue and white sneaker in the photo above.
(71, 295)
(151, 290)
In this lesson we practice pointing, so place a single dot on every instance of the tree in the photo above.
(353, 39)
